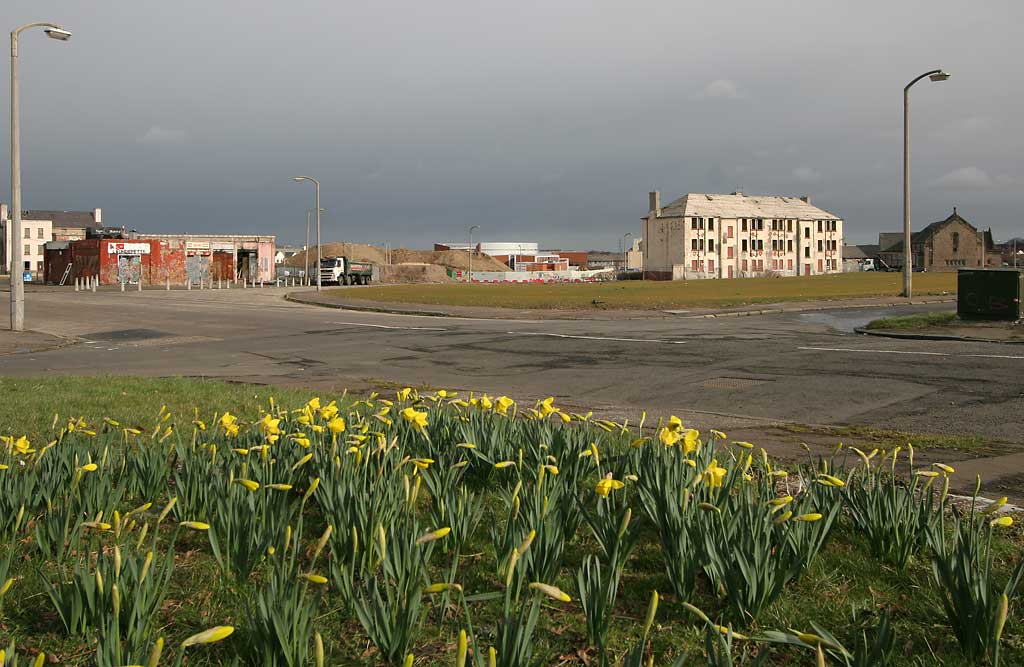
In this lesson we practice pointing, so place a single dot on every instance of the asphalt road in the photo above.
(803, 368)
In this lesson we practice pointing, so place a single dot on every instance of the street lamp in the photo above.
(316, 183)
(53, 31)
(908, 256)
(624, 236)
(471, 248)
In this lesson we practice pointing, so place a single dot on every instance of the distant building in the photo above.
(285, 252)
(737, 235)
(506, 252)
(40, 227)
(946, 245)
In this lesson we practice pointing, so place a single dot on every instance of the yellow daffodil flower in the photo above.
(607, 485)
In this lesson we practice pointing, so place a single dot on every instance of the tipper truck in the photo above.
(343, 271)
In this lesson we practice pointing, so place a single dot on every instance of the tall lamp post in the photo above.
(471, 249)
(316, 183)
(908, 255)
(624, 237)
(305, 269)
(53, 31)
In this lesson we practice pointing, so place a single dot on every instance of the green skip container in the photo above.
(991, 294)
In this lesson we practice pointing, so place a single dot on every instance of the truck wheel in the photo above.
(344, 280)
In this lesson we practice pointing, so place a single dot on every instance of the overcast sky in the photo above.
(539, 120)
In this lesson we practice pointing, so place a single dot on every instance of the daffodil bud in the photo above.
(154, 655)
(551, 591)
(652, 610)
(319, 650)
(460, 653)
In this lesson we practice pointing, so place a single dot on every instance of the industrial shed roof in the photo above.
(739, 205)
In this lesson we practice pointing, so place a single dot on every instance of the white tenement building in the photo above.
(737, 235)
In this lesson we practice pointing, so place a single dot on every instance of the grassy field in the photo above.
(846, 588)
(659, 295)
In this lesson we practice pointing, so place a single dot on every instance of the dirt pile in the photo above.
(359, 252)
(397, 274)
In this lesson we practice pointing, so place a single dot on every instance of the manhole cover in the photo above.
(126, 334)
(731, 383)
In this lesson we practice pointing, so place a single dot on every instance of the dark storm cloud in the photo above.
(544, 121)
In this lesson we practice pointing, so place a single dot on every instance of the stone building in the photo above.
(736, 235)
(946, 245)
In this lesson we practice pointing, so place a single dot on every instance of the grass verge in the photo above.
(916, 321)
(30, 404)
(656, 295)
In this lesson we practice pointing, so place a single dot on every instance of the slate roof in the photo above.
(922, 236)
(62, 218)
(739, 205)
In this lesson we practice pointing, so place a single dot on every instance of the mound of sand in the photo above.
(443, 259)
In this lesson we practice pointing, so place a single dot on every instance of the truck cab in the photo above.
(342, 271)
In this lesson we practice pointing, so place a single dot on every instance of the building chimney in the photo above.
(806, 199)
(654, 203)
(97, 216)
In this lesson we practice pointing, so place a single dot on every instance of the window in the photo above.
(789, 227)
(728, 231)
(28, 232)
(789, 264)
(956, 241)
(743, 246)
(711, 224)
(807, 232)
(694, 265)
(760, 224)
(819, 226)
(711, 266)
(711, 245)
(39, 266)
(744, 265)
(28, 249)
(821, 246)
(743, 225)
(42, 249)
(729, 252)
(789, 245)
(693, 244)
(693, 223)
(760, 244)
(807, 251)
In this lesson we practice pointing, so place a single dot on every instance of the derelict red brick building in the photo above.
(150, 262)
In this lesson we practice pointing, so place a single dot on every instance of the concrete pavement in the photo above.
(733, 373)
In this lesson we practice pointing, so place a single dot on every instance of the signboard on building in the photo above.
(220, 245)
(197, 245)
(127, 248)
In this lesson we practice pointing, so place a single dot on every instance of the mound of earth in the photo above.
(359, 252)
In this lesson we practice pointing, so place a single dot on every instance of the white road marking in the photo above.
(386, 326)
(623, 340)
(932, 354)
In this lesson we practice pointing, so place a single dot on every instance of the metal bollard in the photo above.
(122, 285)
(140, 283)
(228, 284)
(189, 284)
(220, 283)
(243, 283)
(76, 284)
(168, 283)
(95, 283)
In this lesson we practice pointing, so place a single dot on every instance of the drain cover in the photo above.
(126, 334)
(731, 383)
